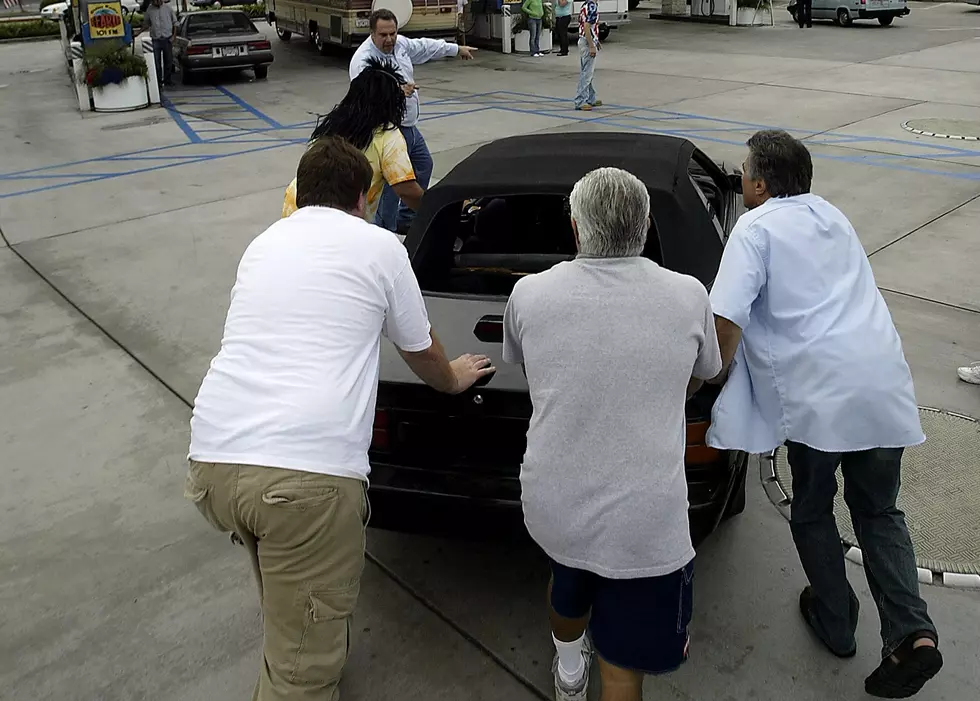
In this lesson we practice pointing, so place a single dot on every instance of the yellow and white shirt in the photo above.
(388, 155)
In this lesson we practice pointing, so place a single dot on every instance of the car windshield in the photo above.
(219, 23)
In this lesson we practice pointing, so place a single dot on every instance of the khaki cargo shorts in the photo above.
(304, 533)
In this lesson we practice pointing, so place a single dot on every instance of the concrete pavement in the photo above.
(114, 588)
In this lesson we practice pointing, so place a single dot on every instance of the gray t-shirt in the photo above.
(609, 346)
(160, 20)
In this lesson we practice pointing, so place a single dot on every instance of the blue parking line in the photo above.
(180, 121)
(141, 170)
(248, 108)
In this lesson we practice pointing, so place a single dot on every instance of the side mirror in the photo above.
(736, 181)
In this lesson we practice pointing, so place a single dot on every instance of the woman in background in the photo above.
(369, 118)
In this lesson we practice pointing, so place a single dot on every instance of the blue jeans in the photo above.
(163, 56)
(392, 213)
(871, 482)
(534, 29)
(585, 95)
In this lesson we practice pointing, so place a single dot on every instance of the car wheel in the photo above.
(736, 502)
(603, 32)
(284, 34)
(844, 17)
(886, 21)
(261, 72)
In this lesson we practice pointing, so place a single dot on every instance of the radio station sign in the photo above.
(105, 20)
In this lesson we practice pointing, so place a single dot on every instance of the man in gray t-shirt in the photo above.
(612, 345)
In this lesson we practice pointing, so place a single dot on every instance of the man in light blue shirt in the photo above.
(387, 45)
(813, 359)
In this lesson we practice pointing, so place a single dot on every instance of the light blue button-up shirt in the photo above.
(406, 54)
(820, 361)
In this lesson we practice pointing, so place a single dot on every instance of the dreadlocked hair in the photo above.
(374, 101)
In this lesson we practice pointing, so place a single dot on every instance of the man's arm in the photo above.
(742, 274)
(591, 18)
(729, 336)
(423, 50)
(407, 326)
(434, 369)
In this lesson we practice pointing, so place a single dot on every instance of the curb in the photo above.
(29, 40)
(906, 127)
(779, 499)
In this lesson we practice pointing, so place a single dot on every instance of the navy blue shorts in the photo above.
(637, 624)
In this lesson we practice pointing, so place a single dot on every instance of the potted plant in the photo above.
(116, 78)
(522, 37)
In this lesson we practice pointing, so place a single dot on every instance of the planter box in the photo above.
(128, 95)
(750, 17)
(522, 41)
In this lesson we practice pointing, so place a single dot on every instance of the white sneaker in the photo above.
(564, 692)
(970, 373)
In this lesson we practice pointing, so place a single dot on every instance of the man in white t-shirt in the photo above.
(284, 417)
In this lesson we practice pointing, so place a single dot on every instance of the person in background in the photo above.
(386, 44)
(369, 118)
(602, 481)
(970, 373)
(563, 17)
(534, 12)
(804, 13)
(588, 49)
(161, 20)
(283, 420)
(814, 360)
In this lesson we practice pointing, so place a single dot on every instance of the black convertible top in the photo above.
(525, 164)
(550, 164)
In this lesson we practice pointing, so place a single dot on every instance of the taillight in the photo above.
(698, 452)
(379, 439)
(198, 50)
(259, 46)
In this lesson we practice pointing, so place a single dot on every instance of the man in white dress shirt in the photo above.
(813, 360)
(386, 44)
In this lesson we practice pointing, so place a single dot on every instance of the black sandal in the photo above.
(806, 599)
(915, 666)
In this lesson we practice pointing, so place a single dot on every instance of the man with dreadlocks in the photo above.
(369, 118)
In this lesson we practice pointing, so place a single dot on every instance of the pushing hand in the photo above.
(469, 368)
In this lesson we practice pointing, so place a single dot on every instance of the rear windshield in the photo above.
(484, 246)
(219, 23)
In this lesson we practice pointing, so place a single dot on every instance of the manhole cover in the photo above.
(961, 129)
(940, 494)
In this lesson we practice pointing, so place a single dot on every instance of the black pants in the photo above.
(804, 12)
(871, 482)
(561, 30)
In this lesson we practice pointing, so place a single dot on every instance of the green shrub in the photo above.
(28, 29)
(112, 64)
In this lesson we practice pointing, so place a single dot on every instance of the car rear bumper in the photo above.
(885, 12)
(210, 63)
(403, 497)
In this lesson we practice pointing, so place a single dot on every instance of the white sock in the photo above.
(571, 661)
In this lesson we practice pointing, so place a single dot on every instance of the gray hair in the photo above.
(781, 161)
(611, 209)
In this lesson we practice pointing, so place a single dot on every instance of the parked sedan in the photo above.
(459, 456)
(220, 40)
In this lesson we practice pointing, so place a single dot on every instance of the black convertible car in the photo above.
(500, 214)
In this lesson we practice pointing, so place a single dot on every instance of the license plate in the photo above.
(229, 51)
(361, 23)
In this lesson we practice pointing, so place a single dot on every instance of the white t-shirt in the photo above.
(296, 380)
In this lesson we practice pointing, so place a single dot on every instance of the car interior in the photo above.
(219, 23)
